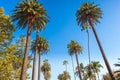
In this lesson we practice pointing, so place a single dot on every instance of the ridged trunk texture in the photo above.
(102, 51)
(76, 54)
(34, 62)
(39, 65)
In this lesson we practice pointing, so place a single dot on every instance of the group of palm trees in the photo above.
(32, 14)
(87, 16)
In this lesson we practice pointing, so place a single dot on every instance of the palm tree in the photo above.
(65, 62)
(64, 76)
(75, 48)
(81, 69)
(88, 15)
(96, 67)
(89, 73)
(43, 47)
(28, 13)
(46, 69)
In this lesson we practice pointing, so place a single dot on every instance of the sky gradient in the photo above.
(63, 28)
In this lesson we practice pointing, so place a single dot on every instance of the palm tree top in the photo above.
(27, 10)
(74, 47)
(95, 65)
(65, 62)
(46, 69)
(42, 45)
(46, 66)
(88, 12)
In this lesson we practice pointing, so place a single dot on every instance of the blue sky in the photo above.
(63, 28)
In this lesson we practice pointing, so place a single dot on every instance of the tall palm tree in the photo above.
(65, 62)
(75, 48)
(46, 69)
(88, 15)
(64, 76)
(96, 67)
(28, 13)
(43, 47)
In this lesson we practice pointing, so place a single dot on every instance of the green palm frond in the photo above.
(88, 11)
(42, 45)
(26, 9)
(74, 47)
(46, 69)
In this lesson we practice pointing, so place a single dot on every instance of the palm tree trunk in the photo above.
(76, 54)
(102, 51)
(66, 67)
(73, 67)
(25, 59)
(88, 47)
(45, 77)
(98, 76)
(34, 62)
(39, 65)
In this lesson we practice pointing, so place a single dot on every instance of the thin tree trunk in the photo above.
(39, 65)
(76, 54)
(66, 67)
(102, 52)
(98, 76)
(45, 77)
(89, 50)
(25, 59)
(73, 67)
(34, 62)
(88, 47)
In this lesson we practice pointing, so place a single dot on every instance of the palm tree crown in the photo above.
(42, 45)
(29, 11)
(88, 12)
(46, 69)
(74, 47)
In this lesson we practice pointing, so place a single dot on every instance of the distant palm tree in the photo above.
(75, 48)
(64, 76)
(28, 13)
(89, 73)
(65, 62)
(96, 67)
(87, 15)
(82, 69)
(46, 69)
(43, 47)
